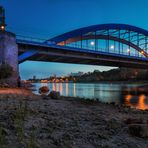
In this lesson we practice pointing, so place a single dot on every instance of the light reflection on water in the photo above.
(139, 102)
(104, 92)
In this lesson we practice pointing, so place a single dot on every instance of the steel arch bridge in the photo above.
(105, 44)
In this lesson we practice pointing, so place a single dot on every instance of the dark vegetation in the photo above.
(5, 71)
(119, 74)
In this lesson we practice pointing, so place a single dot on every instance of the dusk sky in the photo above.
(48, 18)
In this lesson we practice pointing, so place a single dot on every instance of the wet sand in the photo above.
(15, 91)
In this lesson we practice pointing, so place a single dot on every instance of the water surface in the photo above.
(105, 92)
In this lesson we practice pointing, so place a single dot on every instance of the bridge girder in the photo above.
(122, 33)
(106, 37)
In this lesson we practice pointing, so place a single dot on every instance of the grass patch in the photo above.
(33, 141)
(19, 118)
(2, 138)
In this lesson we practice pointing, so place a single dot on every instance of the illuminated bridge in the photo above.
(106, 44)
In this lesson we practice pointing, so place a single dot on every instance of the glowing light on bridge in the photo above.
(2, 28)
(142, 52)
(112, 46)
(128, 50)
(92, 43)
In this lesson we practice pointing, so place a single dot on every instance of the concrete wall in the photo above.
(9, 54)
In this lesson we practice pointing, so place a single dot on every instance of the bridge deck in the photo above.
(54, 53)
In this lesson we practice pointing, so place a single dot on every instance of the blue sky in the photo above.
(48, 18)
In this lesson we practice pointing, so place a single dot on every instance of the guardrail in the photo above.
(32, 39)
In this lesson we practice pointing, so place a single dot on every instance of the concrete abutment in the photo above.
(9, 55)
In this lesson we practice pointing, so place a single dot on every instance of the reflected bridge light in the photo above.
(92, 43)
(112, 46)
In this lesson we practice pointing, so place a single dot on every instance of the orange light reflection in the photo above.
(140, 104)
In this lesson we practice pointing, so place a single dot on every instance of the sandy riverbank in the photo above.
(17, 91)
(35, 121)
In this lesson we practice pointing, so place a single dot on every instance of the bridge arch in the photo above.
(133, 37)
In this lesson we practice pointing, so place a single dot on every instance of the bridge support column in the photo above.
(9, 55)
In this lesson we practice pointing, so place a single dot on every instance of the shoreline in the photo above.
(99, 82)
(23, 91)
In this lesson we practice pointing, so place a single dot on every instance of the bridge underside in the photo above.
(76, 56)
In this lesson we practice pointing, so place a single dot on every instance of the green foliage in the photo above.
(5, 71)
(20, 115)
(33, 141)
(2, 138)
(118, 74)
(19, 124)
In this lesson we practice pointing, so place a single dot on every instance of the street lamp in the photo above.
(112, 46)
(142, 52)
(128, 50)
(2, 27)
(2, 19)
(92, 43)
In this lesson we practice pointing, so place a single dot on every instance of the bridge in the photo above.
(117, 45)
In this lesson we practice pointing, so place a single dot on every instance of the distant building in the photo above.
(34, 77)
(76, 74)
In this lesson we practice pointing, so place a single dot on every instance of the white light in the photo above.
(92, 43)
(128, 50)
(2, 27)
(112, 47)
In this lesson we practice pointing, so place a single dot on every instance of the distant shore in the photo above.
(113, 82)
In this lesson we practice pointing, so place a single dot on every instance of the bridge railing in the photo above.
(32, 39)
(113, 48)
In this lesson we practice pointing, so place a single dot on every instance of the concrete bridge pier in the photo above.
(9, 55)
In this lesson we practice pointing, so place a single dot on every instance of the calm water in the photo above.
(104, 92)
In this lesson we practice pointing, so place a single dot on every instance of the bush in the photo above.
(5, 71)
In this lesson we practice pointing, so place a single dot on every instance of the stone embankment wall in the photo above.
(9, 54)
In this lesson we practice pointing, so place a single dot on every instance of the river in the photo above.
(105, 92)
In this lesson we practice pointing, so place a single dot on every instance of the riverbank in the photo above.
(17, 91)
(40, 121)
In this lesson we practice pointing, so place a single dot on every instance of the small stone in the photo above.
(126, 109)
(113, 124)
(139, 130)
(44, 97)
(54, 95)
(133, 121)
